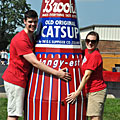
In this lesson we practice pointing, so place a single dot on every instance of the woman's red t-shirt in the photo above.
(93, 62)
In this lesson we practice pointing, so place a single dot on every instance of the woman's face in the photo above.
(91, 42)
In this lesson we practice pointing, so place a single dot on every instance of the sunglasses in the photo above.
(92, 41)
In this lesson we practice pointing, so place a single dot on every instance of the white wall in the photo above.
(105, 33)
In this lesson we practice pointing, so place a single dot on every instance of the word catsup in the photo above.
(54, 31)
(58, 7)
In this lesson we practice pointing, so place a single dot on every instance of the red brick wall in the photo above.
(109, 46)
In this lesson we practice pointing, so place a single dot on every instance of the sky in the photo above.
(91, 12)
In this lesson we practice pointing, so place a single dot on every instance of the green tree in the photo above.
(11, 17)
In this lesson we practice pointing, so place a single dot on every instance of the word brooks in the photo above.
(58, 7)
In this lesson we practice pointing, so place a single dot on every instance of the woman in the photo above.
(92, 67)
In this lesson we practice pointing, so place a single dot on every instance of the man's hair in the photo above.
(30, 14)
(94, 34)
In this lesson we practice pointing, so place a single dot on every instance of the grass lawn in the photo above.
(111, 111)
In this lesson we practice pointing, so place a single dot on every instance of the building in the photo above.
(109, 44)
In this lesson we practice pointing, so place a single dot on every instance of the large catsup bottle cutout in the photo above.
(58, 46)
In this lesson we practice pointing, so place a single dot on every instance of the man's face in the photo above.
(31, 24)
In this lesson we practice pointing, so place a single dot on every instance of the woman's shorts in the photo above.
(15, 96)
(96, 100)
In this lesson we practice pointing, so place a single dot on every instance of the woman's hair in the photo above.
(94, 34)
(30, 14)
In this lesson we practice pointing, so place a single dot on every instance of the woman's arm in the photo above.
(72, 96)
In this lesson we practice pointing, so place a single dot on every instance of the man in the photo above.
(6, 57)
(22, 59)
(2, 57)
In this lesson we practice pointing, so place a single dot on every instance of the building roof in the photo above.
(93, 26)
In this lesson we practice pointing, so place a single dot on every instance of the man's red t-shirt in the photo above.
(93, 62)
(18, 69)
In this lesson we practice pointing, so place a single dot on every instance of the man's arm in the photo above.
(31, 58)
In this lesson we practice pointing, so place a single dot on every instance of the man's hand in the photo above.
(64, 75)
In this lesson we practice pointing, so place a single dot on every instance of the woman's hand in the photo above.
(71, 98)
